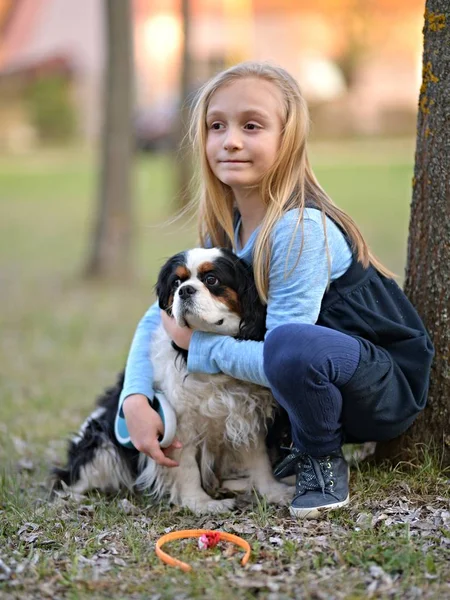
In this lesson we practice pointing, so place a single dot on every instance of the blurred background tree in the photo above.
(355, 20)
(110, 251)
(428, 264)
(184, 157)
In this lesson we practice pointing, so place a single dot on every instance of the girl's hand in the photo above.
(180, 335)
(145, 426)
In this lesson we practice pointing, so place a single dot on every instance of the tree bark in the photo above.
(427, 281)
(110, 252)
(184, 154)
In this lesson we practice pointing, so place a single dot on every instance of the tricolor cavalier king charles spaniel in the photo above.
(222, 422)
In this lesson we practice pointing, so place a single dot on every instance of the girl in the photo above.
(345, 353)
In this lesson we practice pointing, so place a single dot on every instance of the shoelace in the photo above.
(314, 473)
(293, 451)
(287, 465)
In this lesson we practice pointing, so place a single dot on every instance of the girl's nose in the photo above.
(232, 140)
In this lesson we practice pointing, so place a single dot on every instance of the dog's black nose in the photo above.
(186, 291)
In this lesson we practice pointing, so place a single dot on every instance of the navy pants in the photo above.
(307, 366)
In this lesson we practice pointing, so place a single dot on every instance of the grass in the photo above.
(101, 546)
(63, 339)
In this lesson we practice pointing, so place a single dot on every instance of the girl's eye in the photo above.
(211, 280)
(176, 283)
(252, 126)
(216, 126)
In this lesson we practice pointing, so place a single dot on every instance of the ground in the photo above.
(64, 339)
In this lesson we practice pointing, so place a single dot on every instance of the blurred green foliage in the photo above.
(50, 108)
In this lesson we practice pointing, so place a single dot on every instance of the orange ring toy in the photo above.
(192, 533)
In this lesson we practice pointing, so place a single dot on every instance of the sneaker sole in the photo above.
(316, 511)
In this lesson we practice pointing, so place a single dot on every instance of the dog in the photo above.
(222, 422)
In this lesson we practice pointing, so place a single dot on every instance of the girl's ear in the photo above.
(253, 321)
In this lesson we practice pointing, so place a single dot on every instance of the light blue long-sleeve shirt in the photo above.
(296, 289)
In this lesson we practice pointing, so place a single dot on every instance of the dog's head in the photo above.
(212, 290)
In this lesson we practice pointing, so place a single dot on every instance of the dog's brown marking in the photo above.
(182, 272)
(205, 268)
(231, 299)
(169, 305)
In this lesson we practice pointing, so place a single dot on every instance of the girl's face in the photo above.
(244, 122)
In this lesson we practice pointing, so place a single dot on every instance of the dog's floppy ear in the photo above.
(253, 311)
(164, 285)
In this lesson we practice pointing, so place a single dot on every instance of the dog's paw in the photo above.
(209, 506)
(237, 485)
(279, 494)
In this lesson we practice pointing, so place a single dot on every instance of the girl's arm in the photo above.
(296, 289)
(139, 370)
(136, 423)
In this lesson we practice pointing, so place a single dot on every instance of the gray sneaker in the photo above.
(322, 484)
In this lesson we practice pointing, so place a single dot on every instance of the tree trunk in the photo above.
(428, 265)
(110, 254)
(184, 154)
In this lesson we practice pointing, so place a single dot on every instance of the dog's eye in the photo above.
(176, 283)
(211, 280)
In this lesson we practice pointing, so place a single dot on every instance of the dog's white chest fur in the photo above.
(221, 423)
(209, 405)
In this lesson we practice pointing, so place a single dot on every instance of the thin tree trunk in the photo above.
(110, 253)
(428, 265)
(184, 155)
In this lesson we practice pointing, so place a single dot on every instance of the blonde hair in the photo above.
(288, 184)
